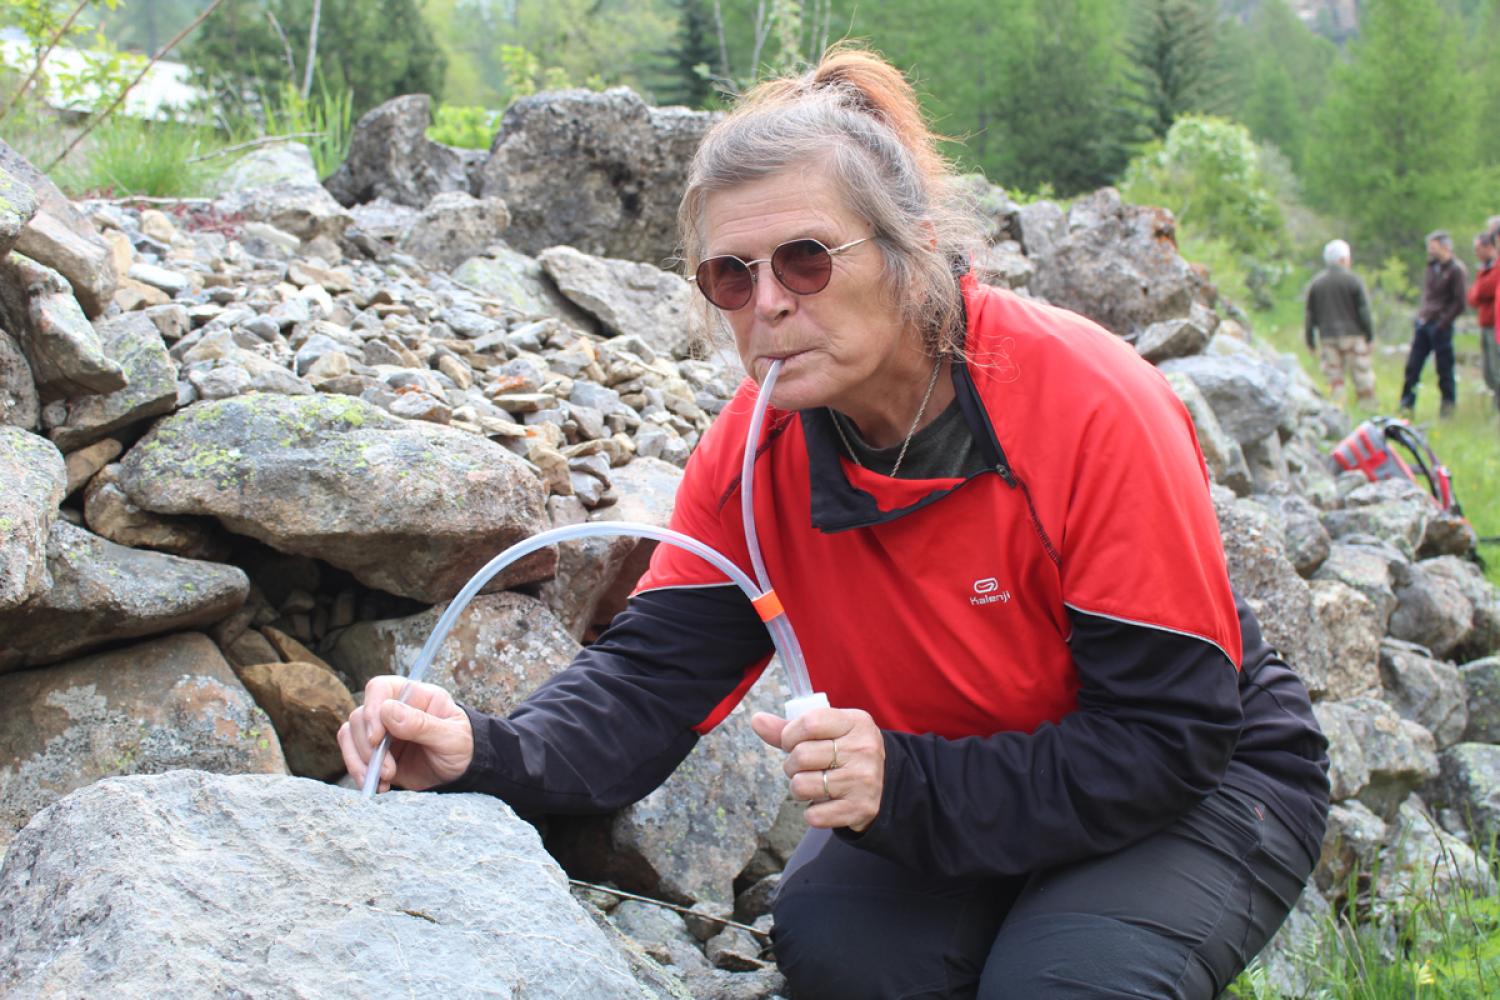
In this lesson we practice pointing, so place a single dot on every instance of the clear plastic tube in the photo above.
(787, 644)
(779, 629)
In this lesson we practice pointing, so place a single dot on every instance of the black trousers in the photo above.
(1428, 338)
(1176, 915)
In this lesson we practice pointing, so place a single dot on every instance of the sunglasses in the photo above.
(803, 267)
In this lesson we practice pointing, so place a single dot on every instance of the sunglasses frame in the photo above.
(750, 267)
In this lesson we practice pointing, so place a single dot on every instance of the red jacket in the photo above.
(1482, 295)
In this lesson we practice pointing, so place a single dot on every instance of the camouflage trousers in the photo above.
(1335, 354)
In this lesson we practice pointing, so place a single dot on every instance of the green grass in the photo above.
(128, 156)
(1468, 443)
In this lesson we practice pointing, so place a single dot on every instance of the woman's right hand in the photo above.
(432, 741)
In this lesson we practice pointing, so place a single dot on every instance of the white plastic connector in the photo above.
(806, 703)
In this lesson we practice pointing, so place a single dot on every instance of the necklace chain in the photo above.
(838, 426)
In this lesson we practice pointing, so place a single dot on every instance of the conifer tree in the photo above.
(1395, 137)
(1174, 62)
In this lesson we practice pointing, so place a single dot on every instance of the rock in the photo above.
(1138, 279)
(102, 592)
(595, 576)
(155, 706)
(84, 260)
(305, 211)
(1448, 534)
(391, 157)
(1367, 571)
(1246, 394)
(1351, 842)
(1043, 226)
(687, 840)
(1426, 691)
(246, 885)
(160, 228)
(51, 201)
(411, 508)
(1397, 518)
(35, 479)
(599, 171)
(64, 352)
(1221, 453)
(734, 950)
(110, 514)
(384, 220)
(1296, 951)
(1470, 783)
(307, 704)
(289, 163)
(1177, 337)
(755, 902)
(1379, 757)
(1482, 697)
(17, 206)
(661, 932)
(1483, 636)
(135, 296)
(1431, 610)
(19, 405)
(83, 464)
(1354, 633)
(628, 298)
(454, 227)
(501, 648)
(1003, 266)
(1266, 579)
(134, 343)
(1424, 862)
(1307, 543)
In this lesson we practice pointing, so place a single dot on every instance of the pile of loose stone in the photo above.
(251, 446)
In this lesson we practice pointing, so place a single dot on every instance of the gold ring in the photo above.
(826, 793)
(834, 764)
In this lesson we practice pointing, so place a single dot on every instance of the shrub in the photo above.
(464, 127)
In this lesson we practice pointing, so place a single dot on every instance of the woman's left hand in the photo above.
(836, 760)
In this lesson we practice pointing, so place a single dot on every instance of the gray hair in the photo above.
(1335, 251)
(1440, 236)
(920, 220)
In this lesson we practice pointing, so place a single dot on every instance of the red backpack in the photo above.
(1372, 449)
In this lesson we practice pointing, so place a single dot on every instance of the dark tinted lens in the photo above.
(725, 281)
(803, 266)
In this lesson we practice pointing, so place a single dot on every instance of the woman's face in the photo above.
(840, 345)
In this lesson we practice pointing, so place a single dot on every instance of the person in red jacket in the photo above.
(1062, 761)
(1483, 294)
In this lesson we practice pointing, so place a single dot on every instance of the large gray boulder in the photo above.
(454, 227)
(1482, 695)
(1375, 755)
(499, 650)
(1394, 511)
(1470, 785)
(156, 706)
(599, 171)
(195, 885)
(277, 163)
(1432, 610)
(1221, 453)
(1368, 570)
(1354, 633)
(102, 592)
(518, 283)
(629, 298)
(61, 346)
(34, 478)
(19, 403)
(133, 342)
(1483, 635)
(689, 839)
(1426, 691)
(1118, 265)
(409, 507)
(1424, 861)
(17, 206)
(63, 238)
(1267, 580)
(303, 210)
(1247, 394)
(391, 157)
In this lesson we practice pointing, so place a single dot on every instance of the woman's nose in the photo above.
(772, 300)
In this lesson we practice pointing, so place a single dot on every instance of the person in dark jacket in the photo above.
(1062, 761)
(1443, 301)
(1482, 296)
(1338, 326)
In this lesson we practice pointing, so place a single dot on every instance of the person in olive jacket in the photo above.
(1338, 325)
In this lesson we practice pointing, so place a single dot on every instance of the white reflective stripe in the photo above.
(685, 586)
(1150, 625)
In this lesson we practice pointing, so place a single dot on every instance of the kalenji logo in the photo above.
(989, 592)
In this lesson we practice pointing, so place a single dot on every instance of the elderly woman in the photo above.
(1063, 762)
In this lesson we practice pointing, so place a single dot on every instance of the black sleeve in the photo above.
(1366, 326)
(614, 725)
(1157, 720)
